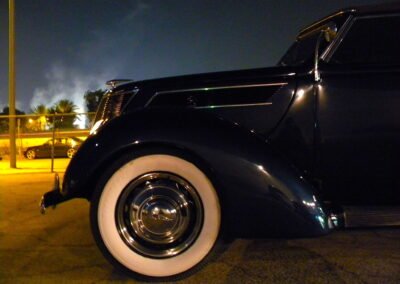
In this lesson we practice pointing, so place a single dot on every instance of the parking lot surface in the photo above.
(33, 166)
(58, 248)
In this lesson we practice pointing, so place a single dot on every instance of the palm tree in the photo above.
(43, 112)
(65, 106)
(92, 101)
(40, 109)
(68, 108)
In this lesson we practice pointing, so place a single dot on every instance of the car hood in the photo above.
(211, 79)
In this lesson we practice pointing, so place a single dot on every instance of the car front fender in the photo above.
(261, 193)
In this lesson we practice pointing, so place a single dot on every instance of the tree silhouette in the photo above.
(4, 120)
(40, 123)
(92, 99)
(40, 109)
(68, 108)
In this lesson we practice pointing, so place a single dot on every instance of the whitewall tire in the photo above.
(157, 216)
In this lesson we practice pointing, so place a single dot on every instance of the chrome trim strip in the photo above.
(213, 88)
(221, 88)
(115, 82)
(315, 26)
(236, 105)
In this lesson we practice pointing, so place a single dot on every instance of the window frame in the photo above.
(327, 56)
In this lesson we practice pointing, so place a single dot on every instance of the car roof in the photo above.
(392, 7)
(386, 8)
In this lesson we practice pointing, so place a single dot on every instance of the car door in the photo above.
(359, 116)
(44, 151)
(60, 149)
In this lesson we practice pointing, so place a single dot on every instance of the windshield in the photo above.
(303, 50)
(300, 52)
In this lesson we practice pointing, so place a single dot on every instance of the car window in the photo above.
(303, 49)
(370, 41)
(300, 51)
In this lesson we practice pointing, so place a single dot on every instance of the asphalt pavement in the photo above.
(58, 248)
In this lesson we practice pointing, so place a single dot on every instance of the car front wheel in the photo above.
(156, 217)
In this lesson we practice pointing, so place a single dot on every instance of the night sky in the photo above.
(65, 47)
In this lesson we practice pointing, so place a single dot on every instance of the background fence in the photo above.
(39, 129)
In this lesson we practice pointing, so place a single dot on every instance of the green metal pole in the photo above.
(11, 81)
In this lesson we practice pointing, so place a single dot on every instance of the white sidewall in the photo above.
(149, 266)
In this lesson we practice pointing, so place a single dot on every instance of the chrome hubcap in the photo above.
(70, 153)
(159, 215)
(30, 154)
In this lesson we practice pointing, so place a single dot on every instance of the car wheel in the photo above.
(156, 217)
(30, 154)
(70, 153)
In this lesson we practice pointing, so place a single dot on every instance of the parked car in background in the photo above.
(172, 165)
(63, 147)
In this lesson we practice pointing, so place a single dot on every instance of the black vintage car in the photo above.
(173, 165)
(63, 147)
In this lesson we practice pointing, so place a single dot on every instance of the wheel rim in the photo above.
(159, 215)
(30, 154)
(70, 153)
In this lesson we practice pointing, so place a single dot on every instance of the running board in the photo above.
(371, 216)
